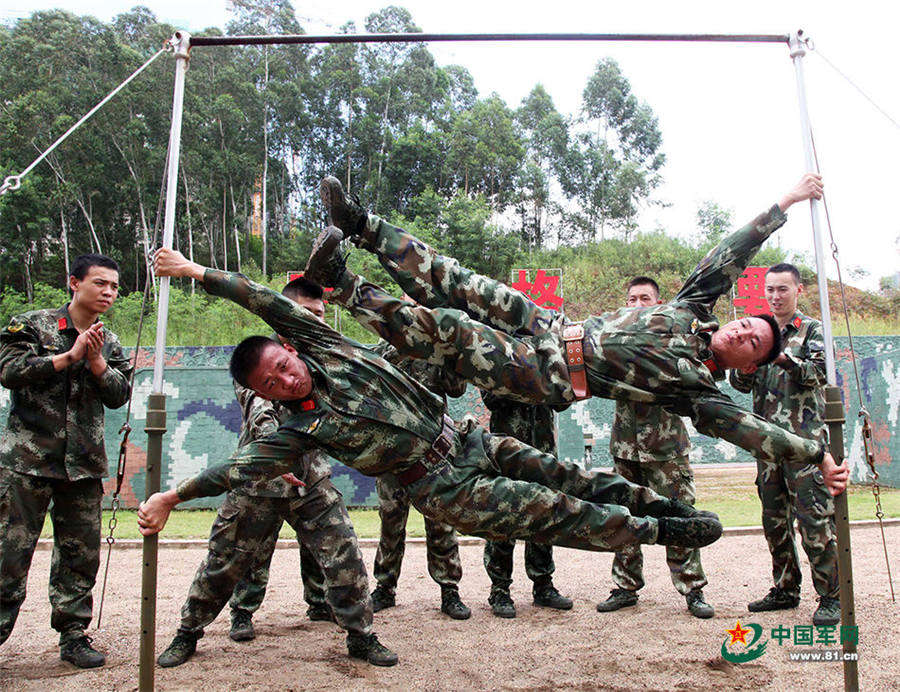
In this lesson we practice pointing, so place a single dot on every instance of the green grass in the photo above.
(733, 497)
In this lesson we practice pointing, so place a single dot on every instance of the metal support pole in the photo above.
(156, 404)
(834, 413)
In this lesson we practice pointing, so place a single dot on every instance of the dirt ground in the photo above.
(656, 645)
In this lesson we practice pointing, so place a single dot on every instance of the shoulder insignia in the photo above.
(17, 327)
(62, 324)
(797, 322)
(694, 325)
(312, 426)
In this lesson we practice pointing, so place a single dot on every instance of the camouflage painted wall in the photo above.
(204, 420)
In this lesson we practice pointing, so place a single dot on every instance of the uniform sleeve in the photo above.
(20, 364)
(716, 272)
(451, 384)
(282, 314)
(742, 381)
(114, 384)
(808, 368)
(266, 458)
(491, 401)
(719, 416)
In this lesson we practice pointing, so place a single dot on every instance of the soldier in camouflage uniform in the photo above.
(789, 392)
(670, 355)
(536, 426)
(359, 409)
(246, 527)
(442, 548)
(650, 447)
(62, 367)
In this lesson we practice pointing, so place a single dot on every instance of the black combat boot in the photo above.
(502, 603)
(776, 599)
(180, 650)
(546, 596)
(452, 605)
(828, 612)
(368, 648)
(78, 651)
(320, 612)
(346, 213)
(241, 626)
(618, 599)
(694, 532)
(382, 598)
(326, 264)
(698, 606)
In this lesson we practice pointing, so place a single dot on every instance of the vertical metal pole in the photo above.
(834, 409)
(156, 403)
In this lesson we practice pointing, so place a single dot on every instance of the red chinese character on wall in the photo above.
(751, 289)
(543, 290)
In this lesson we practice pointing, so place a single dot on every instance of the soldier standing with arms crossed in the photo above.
(62, 366)
(788, 392)
(650, 447)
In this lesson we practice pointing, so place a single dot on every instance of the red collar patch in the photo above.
(797, 322)
(307, 405)
(62, 324)
(711, 365)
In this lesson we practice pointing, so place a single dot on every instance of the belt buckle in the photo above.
(573, 331)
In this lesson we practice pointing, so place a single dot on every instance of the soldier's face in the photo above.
(280, 375)
(742, 344)
(315, 305)
(97, 291)
(782, 293)
(642, 296)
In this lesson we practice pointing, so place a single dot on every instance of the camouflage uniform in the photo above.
(657, 354)
(794, 399)
(649, 447)
(372, 417)
(536, 426)
(53, 449)
(442, 548)
(244, 533)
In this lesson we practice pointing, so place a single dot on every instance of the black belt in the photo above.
(437, 453)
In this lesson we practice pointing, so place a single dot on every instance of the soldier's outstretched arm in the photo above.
(282, 314)
(716, 272)
(721, 417)
(266, 458)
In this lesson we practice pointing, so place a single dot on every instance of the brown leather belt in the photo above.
(573, 337)
(439, 451)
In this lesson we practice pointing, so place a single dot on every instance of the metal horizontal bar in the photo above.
(429, 38)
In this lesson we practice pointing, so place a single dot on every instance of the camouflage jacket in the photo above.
(363, 411)
(259, 418)
(438, 380)
(55, 427)
(660, 354)
(647, 433)
(792, 397)
(533, 424)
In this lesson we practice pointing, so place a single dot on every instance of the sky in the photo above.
(729, 113)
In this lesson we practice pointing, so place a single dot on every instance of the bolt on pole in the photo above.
(834, 413)
(156, 404)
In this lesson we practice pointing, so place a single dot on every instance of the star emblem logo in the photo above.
(738, 634)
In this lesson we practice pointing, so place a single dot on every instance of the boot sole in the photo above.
(324, 245)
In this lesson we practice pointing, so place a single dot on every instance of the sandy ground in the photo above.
(656, 645)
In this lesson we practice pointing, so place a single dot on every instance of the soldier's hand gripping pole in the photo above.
(834, 418)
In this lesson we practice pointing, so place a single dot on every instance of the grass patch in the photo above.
(730, 493)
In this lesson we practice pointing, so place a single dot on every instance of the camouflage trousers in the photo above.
(442, 548)
(675, 479)
(250, 591)
(501, 489)
(244, 528)
(498, 562)
(788, 492)
(75, 513)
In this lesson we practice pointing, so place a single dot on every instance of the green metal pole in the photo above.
(834, 418)
(156, 428)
